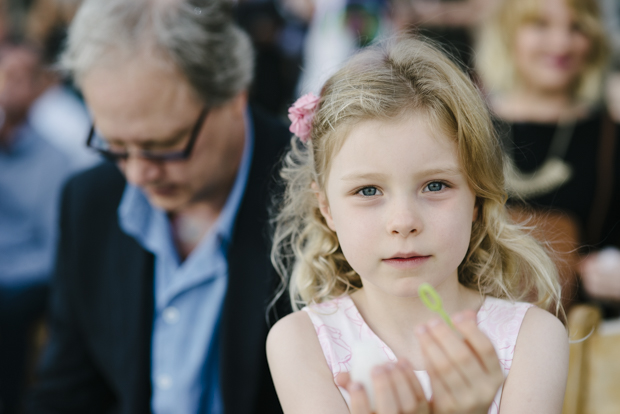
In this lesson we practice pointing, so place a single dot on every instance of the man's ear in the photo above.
(239, 102)
(324, 206)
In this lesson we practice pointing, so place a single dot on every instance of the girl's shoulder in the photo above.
(493, 303)
(504, 320)
(519, 328)
(335, 325)
(293, 327)
(495, 311)
(293, 349)
(300, 326)
(538, 325)
(292, 344)
(540, 365)
(500, 318)
(302, 321)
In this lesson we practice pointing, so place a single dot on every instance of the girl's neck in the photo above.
(533, 105)
(394, 318)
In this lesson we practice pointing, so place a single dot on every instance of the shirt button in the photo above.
(171, 315)
(164, 382)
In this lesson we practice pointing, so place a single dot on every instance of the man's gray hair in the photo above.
(198, 36)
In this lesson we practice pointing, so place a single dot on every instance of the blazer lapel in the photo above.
(137, 320)
(125, 280)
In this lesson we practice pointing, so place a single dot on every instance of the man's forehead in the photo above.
(139, 77)
(138, 97)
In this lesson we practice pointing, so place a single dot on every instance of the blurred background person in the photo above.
(450, 23)
(336, 30)
(277, 34)
(542, 63)
(611, 11)
(303, 42)
(601, 273)
(32, 172)
(59, 114)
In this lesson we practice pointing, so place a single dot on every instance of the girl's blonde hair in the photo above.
(495, 58)
(385, 83)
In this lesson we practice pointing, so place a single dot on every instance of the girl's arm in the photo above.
(305, 384)
(303, 380)
(537, 378)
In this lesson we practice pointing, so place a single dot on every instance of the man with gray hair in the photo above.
(163, 275)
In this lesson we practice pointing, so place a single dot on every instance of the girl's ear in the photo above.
(324, 206)
(476, 207)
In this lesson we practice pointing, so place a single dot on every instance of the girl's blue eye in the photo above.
(368, 191)
(436, 186)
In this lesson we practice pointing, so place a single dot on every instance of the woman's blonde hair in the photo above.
(495, 58)
(387, 82)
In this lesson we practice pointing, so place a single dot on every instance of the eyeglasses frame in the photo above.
(171, 156)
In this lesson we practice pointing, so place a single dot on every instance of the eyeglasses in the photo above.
(99, 144)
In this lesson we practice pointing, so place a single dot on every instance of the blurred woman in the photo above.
(542, 63)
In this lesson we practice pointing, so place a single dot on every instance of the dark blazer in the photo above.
(101, 312)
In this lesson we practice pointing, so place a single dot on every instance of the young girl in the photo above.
(399, 182)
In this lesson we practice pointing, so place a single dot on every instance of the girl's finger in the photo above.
(343, 379)
(439, 362)
(458, 352)
(359, 400)
(418, 391)
(478, 342)
(407, 401)
(385, 396)
(442, 400)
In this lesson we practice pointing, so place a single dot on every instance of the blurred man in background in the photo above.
(31, 175)
(59, 114)
(163, 274)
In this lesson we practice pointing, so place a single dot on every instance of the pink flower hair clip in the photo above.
(301, 114)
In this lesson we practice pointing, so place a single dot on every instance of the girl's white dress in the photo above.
(339, 326)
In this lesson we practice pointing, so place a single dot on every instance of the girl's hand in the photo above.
(397, 391)
(464, 370)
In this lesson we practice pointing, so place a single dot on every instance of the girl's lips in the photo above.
(406, 263)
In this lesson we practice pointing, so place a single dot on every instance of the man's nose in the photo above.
(404, 218)
(140, 171)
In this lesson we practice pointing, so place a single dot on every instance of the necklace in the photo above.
(552, 174)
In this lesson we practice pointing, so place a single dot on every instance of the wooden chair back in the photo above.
(593, 385)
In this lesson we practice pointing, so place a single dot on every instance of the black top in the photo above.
(101, 314)
(529, 143)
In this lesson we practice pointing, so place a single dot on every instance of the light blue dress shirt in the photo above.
(32, 173)
(189, 296)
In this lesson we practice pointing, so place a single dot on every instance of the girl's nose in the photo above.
(404, 219)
